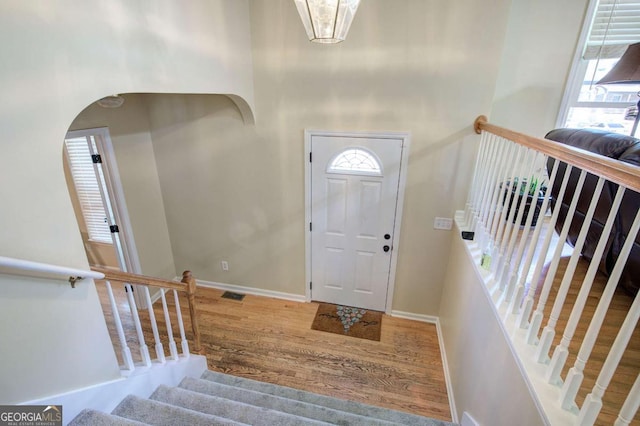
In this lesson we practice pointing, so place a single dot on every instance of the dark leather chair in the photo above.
(612, 145)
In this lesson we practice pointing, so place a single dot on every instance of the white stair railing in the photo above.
(522, 253)
(143, 283)
(124, 346)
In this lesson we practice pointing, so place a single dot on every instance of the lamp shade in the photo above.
(327, 21)
(627, 70)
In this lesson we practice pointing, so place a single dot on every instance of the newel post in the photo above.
(188, 279)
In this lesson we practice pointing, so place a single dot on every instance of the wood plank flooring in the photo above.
(271, 340)
(629, 366)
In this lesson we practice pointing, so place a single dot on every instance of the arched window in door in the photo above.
(355, 161)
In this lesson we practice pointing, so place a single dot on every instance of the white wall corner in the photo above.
(467, 420)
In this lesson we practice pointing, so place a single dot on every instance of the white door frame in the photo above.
(406, 141)
(116, 194)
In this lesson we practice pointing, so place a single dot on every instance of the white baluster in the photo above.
(527, 305)
(487, 189)
(511, 171)
(154, 325)
(144, 350)
(126, 351)
(499, 190)
(549, 331)
(173, 349)
(536, 320)
(630, 406)
(479, 170)
(576, 373)
(183, 339)
(522, 278)
(506, 281)
(507, 150)
(593, 402)
(561, 351)
(504, 224)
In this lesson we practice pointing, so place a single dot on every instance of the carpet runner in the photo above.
(220, 399)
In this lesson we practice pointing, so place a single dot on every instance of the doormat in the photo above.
(231, 295)
(348, 321)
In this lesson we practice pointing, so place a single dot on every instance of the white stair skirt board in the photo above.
(106, 396)
(445, 366)
(249, 290)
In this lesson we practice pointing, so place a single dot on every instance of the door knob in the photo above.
(387, 236)
(386, 248)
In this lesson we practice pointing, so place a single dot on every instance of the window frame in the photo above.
(578, 72)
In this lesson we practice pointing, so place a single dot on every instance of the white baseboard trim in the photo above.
(142, 382)
(467, 420)
(416, 317)
(252, 290)
(156, 296)
(445, 366)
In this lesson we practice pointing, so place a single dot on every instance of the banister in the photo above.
(619, 172)
(13, 266)
(188, 279)
(128, 277)
(187, 285)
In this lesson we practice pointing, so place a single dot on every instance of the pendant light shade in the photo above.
(627, 70)
(327, 21)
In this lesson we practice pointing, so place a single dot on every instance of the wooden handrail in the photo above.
(187, 285)
(619, 172)
(127, 277)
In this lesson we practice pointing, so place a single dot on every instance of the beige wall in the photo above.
(540, 43)
(60, 57)
(236, 192)
(131, 139)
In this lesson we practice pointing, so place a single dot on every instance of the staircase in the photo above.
(220, 399)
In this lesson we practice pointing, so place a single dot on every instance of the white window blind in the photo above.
(87, 189)
(616, 25)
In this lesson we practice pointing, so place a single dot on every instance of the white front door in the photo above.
(354, 199)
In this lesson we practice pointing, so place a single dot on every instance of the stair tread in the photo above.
(274, 402)
(161, 414)
(322, 400)
(228, 408)
(89, 417)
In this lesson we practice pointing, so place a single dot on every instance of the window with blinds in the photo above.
(615, 25)
(87, 189)
(610, 27)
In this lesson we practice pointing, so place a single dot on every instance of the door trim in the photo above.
(404, 158)
(116, 193)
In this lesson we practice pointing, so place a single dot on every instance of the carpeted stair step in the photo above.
(161, 414)
(324, 401)
(98, 418)
(228, 408)
(285, 405)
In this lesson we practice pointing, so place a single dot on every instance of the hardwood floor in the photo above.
(271, 340)
(629, 366)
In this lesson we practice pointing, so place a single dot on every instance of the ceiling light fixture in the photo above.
(114, 101)
(327, 21)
